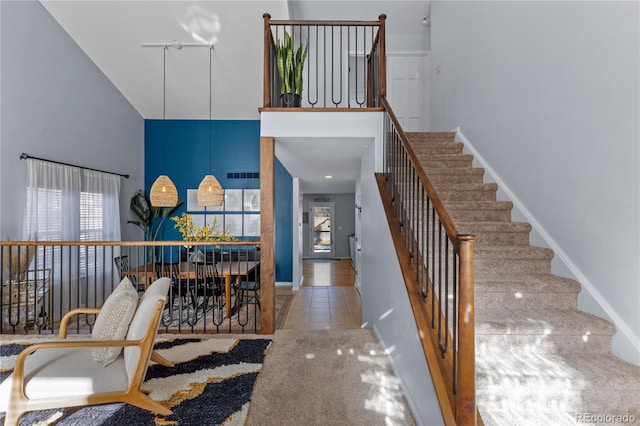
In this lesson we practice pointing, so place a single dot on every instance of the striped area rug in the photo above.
(211, 384)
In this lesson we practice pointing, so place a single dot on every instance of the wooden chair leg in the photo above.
(156, 357)
(143, 401)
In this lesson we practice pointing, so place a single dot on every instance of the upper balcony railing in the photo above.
(344, 67)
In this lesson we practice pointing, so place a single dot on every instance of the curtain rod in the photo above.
(24, 156)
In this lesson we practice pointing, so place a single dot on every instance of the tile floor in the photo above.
(325, 308)
(333, 306)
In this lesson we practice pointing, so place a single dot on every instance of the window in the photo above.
(91, 223)
(67, 203)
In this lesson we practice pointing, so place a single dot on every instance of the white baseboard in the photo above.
(631, 340)
(407, 395)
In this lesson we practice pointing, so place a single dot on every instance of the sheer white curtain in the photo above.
(103, 189)
(66, 203)
(53, 198)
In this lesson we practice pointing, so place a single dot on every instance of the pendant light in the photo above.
(210, 192)
(163, 192)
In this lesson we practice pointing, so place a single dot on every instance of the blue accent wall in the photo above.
(181, 150)
(284, 221)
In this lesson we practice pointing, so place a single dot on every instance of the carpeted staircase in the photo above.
(539, 360)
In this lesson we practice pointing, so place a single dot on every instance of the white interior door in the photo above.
(407, 90)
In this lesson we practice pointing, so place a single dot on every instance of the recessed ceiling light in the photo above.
(328, 177)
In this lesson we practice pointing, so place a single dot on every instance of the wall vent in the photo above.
(243, 175)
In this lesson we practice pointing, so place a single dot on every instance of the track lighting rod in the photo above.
(176, 45)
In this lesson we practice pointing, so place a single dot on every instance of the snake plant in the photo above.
(290, 65)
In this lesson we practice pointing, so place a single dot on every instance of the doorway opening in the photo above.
(321, 230)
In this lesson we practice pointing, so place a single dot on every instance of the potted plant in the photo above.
(290, 66)
(148, 215)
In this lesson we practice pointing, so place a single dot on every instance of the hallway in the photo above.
(328, 298)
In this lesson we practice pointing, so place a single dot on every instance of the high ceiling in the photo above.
(112, 33)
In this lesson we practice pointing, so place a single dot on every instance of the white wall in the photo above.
(385, 303)
(56, 104)
(549, 94)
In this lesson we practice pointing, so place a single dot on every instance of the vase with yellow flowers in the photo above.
(193, 232)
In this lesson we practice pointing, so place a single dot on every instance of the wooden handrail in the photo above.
(447, 222)
(326, 23)
(455, 371)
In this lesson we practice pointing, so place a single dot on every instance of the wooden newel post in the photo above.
(382, 62)
(466, 380)
(266, 63)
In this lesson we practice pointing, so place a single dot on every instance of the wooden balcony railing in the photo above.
(41, 281)
(345, 66)
(438, 274)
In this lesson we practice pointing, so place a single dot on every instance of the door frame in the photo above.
(331, 253)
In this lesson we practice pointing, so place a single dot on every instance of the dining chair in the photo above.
(248, 293)
(211, 286)
(181, 297)
(122, 264)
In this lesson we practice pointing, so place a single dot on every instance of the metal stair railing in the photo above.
(442, 268)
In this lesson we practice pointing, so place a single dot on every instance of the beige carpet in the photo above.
(327, 377)
(539, 359)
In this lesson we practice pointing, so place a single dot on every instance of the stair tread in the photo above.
(512, 252)
(538, 283)
(543, 321)
(415, 135)
(427, 145)
(482, 186)
(533, 369)
(455, 171)
(444, 157)
(473, 227)
(478, 205)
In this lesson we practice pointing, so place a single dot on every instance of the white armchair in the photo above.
(65, 373)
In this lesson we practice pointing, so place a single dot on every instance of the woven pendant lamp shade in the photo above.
(163, 192)
(210, 192)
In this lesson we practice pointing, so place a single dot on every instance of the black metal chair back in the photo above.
(122, 264)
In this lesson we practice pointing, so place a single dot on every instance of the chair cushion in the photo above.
(140, 323)
(112, 323)
(158, 287)
(55, 373)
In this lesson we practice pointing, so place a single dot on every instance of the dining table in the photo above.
(229, 269)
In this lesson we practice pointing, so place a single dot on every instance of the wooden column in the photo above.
(267, 236)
